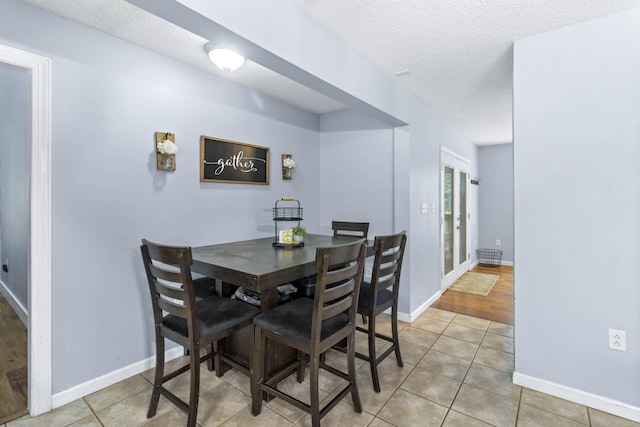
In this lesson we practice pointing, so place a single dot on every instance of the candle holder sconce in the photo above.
(166, 151)
(287, 166)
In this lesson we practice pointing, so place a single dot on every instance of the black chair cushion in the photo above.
(384, 296)
(293, 319)
(215, 314)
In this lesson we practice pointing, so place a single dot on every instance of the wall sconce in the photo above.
(166, 150)
(225, 59)
(287, 166)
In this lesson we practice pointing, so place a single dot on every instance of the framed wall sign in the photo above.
(234, 162)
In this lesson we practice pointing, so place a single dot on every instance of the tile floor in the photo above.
(457, 372)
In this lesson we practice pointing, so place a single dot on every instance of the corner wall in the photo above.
(577, 198)
(15, 136)
(495, 168)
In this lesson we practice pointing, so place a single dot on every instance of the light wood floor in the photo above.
(13, 364)
(497, 306)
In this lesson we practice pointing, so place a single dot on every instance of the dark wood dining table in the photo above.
(259, 266)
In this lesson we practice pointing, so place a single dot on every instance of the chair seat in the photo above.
(293, 319)
(215, 314)
(384, 296)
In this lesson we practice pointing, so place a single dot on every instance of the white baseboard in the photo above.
(19, 309)
(91, 386)
(410, 317)
(600, 403)
(474, 264)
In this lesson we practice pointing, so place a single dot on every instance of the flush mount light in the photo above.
(225, 59)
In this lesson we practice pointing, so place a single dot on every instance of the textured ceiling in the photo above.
(458, 53)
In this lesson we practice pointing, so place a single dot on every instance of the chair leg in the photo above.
(194, 392)
(364, 319)
(351, 370)
(159, 373)
(314, 372)
(373, 359)
(219, 349)
(394, 332)
(210, 361)
(301, 366)
(257, 371)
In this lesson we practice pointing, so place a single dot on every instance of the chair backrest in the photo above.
(170, 283)
(340, 271)
(387, 264)
(344, 228)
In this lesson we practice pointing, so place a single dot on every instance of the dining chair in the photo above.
(312, 326)
(190, 322)
(379, 295)
(306, 285)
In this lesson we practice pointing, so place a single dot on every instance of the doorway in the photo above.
(454, 217)
(39, 252)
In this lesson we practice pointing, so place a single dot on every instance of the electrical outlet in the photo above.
(498, 242)
(617, 340)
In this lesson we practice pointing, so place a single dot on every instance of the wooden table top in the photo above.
(256, 264)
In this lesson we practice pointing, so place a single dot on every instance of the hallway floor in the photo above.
(457, 372)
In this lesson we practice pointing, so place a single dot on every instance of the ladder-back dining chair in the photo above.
(379, 295)
(312, 326)
(190, 322)
(306, 285)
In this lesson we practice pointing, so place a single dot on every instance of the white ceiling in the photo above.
(458, 52)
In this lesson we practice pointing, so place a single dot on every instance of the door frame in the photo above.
(39, 265)
(447, 280)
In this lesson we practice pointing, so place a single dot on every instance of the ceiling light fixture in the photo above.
(225, 59)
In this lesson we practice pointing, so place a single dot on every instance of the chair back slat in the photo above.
(171, 255)
(172, 308)
(339, 290)
(163, 273)
(387, 264)
(168, 291)
(170, 284)
(337, 307)
(340, 270)
(345, 228)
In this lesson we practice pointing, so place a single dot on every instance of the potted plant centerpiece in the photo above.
(298, 233)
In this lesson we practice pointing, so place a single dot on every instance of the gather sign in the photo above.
(234, 162)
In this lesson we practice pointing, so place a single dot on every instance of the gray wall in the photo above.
(577, 186)
(495, 168)
(15, 134)
(355, 153)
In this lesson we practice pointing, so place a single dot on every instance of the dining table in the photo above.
(259, 266)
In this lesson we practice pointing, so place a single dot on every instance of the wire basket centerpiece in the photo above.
(286, 212)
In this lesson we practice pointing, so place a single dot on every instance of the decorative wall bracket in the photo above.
(165, 161)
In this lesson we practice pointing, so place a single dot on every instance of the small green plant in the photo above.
(299, 230)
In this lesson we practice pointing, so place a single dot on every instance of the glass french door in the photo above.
(454, 233)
